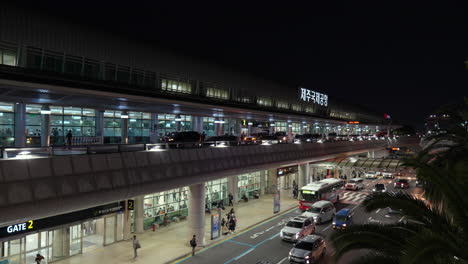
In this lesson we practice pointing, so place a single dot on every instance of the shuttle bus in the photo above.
(326, 189)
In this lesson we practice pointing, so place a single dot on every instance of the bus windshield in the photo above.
(309, 196)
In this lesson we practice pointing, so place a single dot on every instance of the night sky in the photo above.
(404, 60)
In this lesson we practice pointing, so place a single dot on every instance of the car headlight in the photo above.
(343, 224)
(306, 257)
(297, 235)
(373, 189)
(384, 190)
(290, 253)
(334, 223)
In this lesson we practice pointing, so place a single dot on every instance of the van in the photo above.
(342, 219)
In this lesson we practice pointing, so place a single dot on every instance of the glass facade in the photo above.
(209, 126)
(282, 104)
(217, 93)
(215, 191)
(264, 101)
(168, 123)
(176, 86)
(80, 121)
(139, 125)
(173, 202)
(297, 128)
(112, 127)
(7, 124)
(7, 57)
(281, 127)
(33, 125)
(248, 184)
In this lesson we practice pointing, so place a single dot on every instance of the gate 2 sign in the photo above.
(307, 95)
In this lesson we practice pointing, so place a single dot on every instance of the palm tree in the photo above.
(435, 233)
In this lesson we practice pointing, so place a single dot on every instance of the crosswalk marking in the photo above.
(352, 197)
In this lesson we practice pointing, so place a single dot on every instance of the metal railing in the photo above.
(42, 152)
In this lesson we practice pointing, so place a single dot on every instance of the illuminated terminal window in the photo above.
(248, 184)
(282, 104)
(215, 191)
(264, 101)
(168, 123)
(171, 202)
(139, 125)
(209, 126)
(7, 124)
(112, 126)
(217, 93)
(7, 57)
(309, 109)
(296, 128)
(281, 127)
(296, 107)
(176, 86)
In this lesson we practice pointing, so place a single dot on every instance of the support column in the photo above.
(100, 125)
(290, 135)
(197, 124)
(233, 187)
(154, 128)
(20, 125)
(304, 129)
(249, 128)
(263, 182)
(196, 213)
(124, 139)
(45, 126)
(271, 180)
(60, 243)
(139, 214)
(303, 174)
(127, 232)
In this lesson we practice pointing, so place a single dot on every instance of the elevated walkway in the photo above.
(60, 184)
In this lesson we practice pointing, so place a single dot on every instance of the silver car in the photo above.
(297, 228)
(308, 250)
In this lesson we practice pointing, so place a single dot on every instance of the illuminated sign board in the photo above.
(58, 220)
(308, 192)
(307, 95)
(353, 122)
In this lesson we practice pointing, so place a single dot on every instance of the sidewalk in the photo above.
(170, 243)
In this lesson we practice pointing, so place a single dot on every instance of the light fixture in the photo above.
(45, 110)
(250, 123)
(289, 125)
(272, 125)
(124, 116)
(178, 118)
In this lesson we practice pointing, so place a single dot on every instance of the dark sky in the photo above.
(404, 60)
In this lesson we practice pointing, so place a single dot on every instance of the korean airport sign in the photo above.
(310, 96)
(35, 225)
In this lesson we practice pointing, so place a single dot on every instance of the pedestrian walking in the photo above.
(295, 192)
(38, 258)
(136, 246)
(231, 197)
(193, 244)
(232, 225)
(69, 138)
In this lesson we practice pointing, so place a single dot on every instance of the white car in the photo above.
(321, 211)
(371, 175)
(387, 175)
(355, 184)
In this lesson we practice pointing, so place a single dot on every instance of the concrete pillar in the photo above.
(127, 232)
(20, 125)
(124, 139)
(304, 129)
(303, 174)
(233, 187)
(196, 213)
(178, 126)
(154, 138)
(263, 181)
(139, 214)
(61, 243)
(197, 124)
(271, 180)
(290, 136)
(45, 126)
(249, 128)
(100, 125)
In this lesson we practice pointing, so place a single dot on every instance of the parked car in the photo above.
(419, 183)
(223, 140)
(342, 219)
(388, 175)
(371, 175)
(321, 211)
(307, 138)
(281, 136)
(379, 187)
(332, 137)
(396, 174)
(297, 228)
(250, 140)
(355, 184)
(308, 250)
(402, 183)
(184, 138)
(268, 139)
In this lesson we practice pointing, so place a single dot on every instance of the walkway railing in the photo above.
(91, 148)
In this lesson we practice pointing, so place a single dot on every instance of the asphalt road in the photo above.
(262, 242)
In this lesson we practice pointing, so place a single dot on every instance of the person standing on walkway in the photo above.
(230, 199)
(193, 244)
(295, 192)
(69, 138)
(39, 258)
(136, 246)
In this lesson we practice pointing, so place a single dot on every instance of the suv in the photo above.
(223, 141)
(402, 183)
(355, 184)
(321, 211)
(308, 250)
(184, 138)
(297, 228)
(342, 219)
(371, 175)
(379, 187)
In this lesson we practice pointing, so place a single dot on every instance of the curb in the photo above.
(215, 242)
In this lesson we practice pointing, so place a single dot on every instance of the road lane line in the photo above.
(282, 260)
(239, 243)
(245, 253)
(378, 210)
